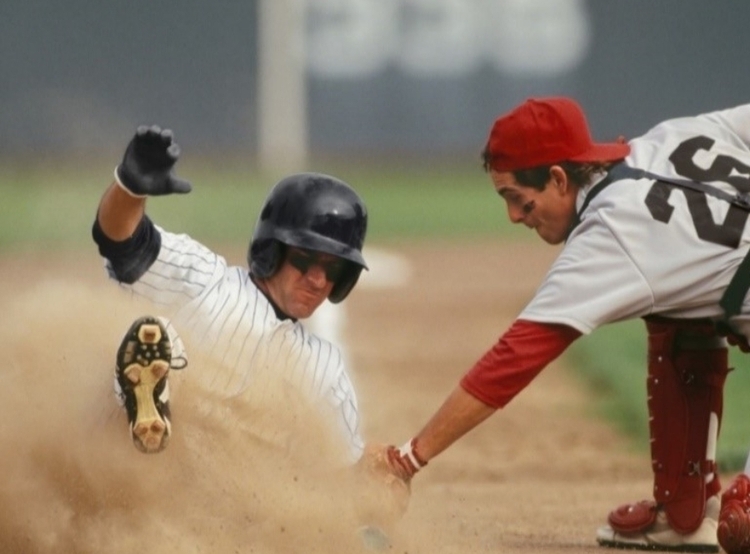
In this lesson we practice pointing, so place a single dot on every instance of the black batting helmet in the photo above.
(316, 212)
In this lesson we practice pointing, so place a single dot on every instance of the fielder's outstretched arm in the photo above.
(507, 368)
(458, 415)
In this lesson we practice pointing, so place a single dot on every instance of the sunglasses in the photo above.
(303, 260)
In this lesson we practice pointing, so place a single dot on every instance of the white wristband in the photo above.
(126, 189)
(407, 450)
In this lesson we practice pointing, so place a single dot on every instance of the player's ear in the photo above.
(559, 179)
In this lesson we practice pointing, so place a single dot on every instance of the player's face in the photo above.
(549, 212)
(304, 281)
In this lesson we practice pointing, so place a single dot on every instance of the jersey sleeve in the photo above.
(343, 400)
(593, 281)
(515, 360)
(129, 259)
(183, 271)
(316, 367)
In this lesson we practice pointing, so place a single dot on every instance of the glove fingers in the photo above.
(155, 148)
(174, 151)
(148, 133)
(179, 186)
(146, 168)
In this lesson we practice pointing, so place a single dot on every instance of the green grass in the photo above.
(612, 362)
(53, 206)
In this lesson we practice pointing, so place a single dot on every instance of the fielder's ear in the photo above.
(558, 178)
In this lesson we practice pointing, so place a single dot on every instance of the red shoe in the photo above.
(734, 518)
(643, 526)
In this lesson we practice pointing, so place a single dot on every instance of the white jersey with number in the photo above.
(240, 332)
(647, 247)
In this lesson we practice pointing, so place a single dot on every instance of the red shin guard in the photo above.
(687, 367)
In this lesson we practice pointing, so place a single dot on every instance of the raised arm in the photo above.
(119, 212)
(146, 170)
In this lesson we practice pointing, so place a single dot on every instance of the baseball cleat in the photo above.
(660, 537)
(143, 363)
(734, 518)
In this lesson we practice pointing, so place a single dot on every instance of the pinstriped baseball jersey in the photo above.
(240, 331)
(645, 246)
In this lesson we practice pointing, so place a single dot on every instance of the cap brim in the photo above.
(603, 152)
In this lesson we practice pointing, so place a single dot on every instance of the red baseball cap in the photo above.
(545, 131)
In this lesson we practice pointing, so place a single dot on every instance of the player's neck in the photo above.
(263, 288)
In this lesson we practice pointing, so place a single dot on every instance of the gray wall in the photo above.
(395, 77)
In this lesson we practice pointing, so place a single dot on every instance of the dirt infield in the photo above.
(538, 477)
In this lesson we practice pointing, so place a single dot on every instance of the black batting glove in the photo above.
(147, 166)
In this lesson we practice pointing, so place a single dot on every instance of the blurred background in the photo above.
(411, 79)
(395, 96)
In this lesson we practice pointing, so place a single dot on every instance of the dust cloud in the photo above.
(74, 483)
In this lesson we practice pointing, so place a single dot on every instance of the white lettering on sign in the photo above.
(351, 38)
(439, 37)
(445, 38)
(537, 37)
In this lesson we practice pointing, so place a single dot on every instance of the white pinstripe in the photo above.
(238, 328)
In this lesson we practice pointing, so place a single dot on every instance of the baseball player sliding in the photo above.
(655, 228)
(306, 247)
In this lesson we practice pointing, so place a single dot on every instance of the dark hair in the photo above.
(536, 177)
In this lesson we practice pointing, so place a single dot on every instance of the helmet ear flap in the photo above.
(346, 283)
(264, 257)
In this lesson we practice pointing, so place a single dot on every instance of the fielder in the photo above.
(306, 247)
(655, 228)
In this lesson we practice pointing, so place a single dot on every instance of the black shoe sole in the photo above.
(143, 361)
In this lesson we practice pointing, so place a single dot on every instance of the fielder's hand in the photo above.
(385, 489)
(740, 341)
(147, 166)
(404, 461)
